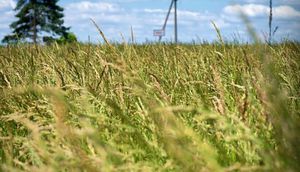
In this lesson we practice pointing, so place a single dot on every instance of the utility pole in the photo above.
(161, 32)
(166, 20)
(270, 22)
(175, 22)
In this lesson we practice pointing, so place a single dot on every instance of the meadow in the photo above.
(153, 107)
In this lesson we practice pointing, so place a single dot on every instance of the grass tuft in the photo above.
(213, 107)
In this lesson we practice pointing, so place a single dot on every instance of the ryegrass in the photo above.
(150, 107)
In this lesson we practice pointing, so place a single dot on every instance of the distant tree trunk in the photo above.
(34, 25)
(270, 22)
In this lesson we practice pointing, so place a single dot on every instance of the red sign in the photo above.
(158, 33)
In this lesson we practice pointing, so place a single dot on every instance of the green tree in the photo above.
(66, 38)
(37, 17)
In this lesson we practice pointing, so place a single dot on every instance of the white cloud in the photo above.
(87, 6)
(7, 15)
(113, 19)
(256, 10)
(282, 2)
(148, 10)
(251, 10)
(7, 4)
(6, 18)
(82, 12)
(286, 11)
(184, 15)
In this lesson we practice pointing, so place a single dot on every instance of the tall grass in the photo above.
(150, 107)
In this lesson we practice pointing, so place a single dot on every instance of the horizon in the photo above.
(116, 18)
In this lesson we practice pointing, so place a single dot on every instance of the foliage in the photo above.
(77, 107)
(69, 37)
(36, 17)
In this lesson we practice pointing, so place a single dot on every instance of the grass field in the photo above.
(214, 107)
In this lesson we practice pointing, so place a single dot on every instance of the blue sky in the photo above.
(116, 17)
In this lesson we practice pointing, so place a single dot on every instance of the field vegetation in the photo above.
(153, 107)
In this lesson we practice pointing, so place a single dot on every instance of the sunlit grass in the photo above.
(150, 107)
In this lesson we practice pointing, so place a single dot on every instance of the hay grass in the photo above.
(152, 107)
